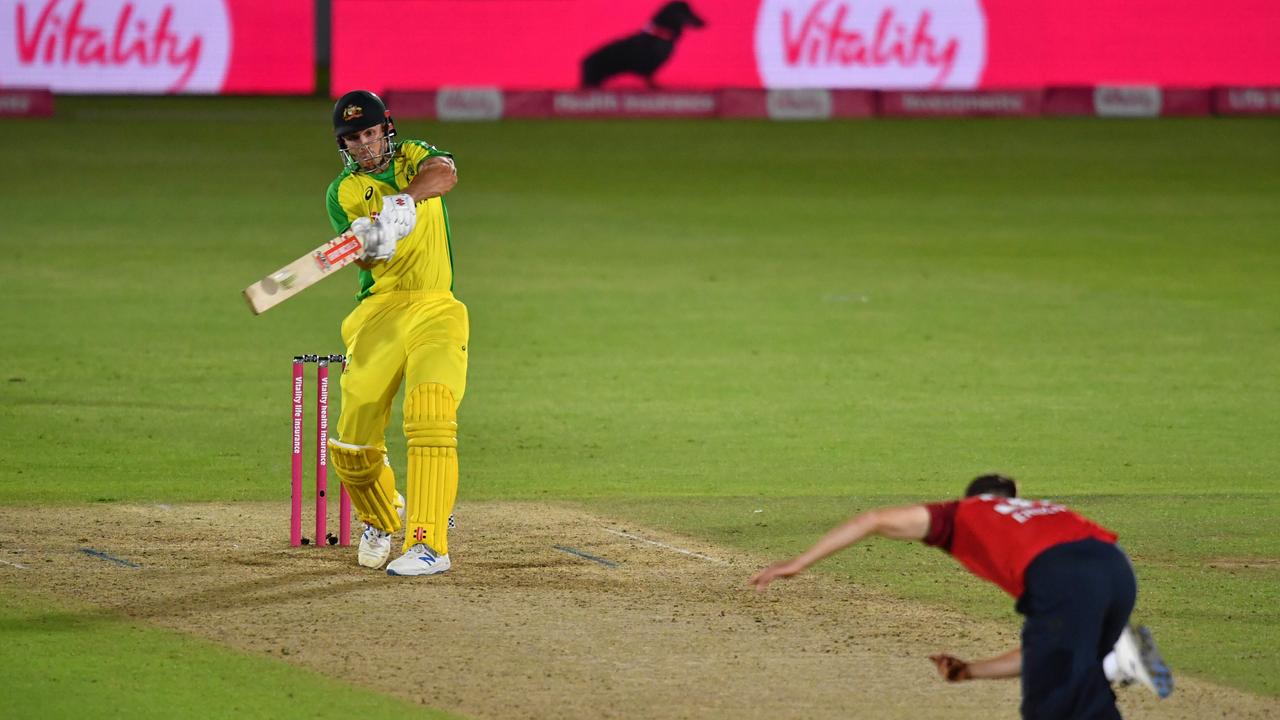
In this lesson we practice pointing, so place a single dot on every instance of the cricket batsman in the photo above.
(407, 326)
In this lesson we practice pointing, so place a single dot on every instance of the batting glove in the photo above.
(399, 214)
(379, 242)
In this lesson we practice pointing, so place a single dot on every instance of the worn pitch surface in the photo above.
(546, 613)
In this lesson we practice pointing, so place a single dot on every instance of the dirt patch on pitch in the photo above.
(549, 612)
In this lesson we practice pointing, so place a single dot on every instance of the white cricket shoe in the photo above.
(375, 547)
(419, 560)
(1138, 660)
(375, 544)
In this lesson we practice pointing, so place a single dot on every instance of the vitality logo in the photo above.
(116, 45)
(902, 44)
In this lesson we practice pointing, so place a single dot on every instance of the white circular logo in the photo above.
(1132, 101)
(469, 103)
(890, 44)
(134, 46)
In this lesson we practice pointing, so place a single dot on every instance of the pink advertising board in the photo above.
(884, 44)
(1246, 100)
(25, 102)
(158, 46)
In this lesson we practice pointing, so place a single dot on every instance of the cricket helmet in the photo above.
(360, 110)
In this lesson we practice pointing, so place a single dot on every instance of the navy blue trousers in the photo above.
(1077, 600)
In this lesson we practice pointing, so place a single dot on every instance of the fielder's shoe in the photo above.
(1139, 661)
(375, 544)
(419, 560)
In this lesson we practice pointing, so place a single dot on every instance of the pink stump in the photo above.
(322, 450)
(344, 504)
(295, 517)
(344, 522)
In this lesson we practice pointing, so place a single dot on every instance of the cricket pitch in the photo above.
(549, 611)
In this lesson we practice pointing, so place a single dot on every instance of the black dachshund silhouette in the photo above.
(644, 52)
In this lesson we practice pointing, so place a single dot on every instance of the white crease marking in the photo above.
(682, 551)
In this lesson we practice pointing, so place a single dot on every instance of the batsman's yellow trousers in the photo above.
(418, 337)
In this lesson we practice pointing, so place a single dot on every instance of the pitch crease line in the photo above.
(682, 551)
(109, 558)
(586, 556)
(20, 566)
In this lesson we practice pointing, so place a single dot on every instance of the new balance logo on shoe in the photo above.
(419, 560)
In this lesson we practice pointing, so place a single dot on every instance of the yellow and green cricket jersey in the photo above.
(423, 259)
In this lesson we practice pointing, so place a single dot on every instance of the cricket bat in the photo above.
(303, 272)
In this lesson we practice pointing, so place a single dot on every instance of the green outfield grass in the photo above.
(78, 662)
(684, 322)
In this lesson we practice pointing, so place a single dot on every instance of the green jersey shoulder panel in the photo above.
(337, 215)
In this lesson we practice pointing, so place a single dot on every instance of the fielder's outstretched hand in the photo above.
(784, 569)
(952, 669)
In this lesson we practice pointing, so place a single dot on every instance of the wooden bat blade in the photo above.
(303, 273)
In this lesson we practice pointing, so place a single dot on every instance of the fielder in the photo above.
(1073, 585)
(408, 326)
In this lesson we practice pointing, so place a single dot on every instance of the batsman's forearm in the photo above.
(435, 180)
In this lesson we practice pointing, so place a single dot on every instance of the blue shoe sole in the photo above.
(1161, 675)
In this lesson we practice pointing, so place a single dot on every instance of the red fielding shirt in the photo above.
(998, 537)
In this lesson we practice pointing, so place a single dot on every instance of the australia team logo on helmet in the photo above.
(351, 112)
